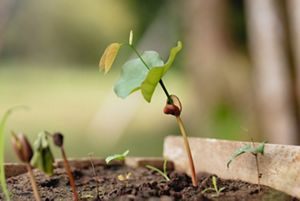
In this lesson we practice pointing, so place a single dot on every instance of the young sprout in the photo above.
(163, 173)
(124, 177)
(2, 149)
(43, 158)
(145, 73)
(24, 152)
(118, 157)
(215, 188)
(95, 176)
(254, 151)
(58, 140)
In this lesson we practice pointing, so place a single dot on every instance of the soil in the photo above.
(122, 183)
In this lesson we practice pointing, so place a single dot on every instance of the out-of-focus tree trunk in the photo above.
(5, 12)
(271, 79)
(206, 47)
(293, 7)
(212, 63)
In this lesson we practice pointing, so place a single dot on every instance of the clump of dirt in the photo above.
(124, 183)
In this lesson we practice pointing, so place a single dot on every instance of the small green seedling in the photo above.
(58, 140)
(215, 188)
(118, 157)
(144, 74)
(3, 122)
(163, 173)
(124, 177)
(24, 152)
(95, 176)
(250, 148)
(43, 158)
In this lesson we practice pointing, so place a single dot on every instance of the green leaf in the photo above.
(158, 171)
(2, 148)
(134, 73)
(260, 149)
(43, 158)
(247, 149)
(119, 157)
(156, 73)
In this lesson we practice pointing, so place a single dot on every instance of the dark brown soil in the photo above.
(141, 184)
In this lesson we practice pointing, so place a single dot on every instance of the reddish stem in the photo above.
(70, 175)
(188, 150)
(33, 183)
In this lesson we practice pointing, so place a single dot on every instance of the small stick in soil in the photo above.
(95, 175)
(58, 139)
(174, 108)
(24, 152)
(257, 166)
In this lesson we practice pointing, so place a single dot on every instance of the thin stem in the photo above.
(70, 175)
(95, 175)
(170, 101)
(257, 169)
(257, 165)
(188, 150)
(140, 57)
(33, 183)
(158, 171)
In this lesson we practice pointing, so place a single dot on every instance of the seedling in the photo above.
(163, 173)
(2, 148)
(124, 177)
(58, 140)
(250, 148)
(118, 157)
(24, 152)
(95, 176)
(215, 188)
(145, 73)
(43, 158)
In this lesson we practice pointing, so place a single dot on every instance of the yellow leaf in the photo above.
(109, 57)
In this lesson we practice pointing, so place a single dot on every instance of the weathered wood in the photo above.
(13, 169)
(280, 165)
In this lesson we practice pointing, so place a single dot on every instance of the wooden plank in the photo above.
(280, 165)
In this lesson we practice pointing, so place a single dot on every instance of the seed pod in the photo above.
(58, 139)
(22, 147)
(174, 108)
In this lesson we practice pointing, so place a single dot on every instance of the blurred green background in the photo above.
(49, 54)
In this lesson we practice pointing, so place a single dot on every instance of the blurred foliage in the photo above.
(62, 30)
(65, 31)
(226, 122)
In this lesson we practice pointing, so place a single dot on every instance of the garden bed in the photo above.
(131, 181)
